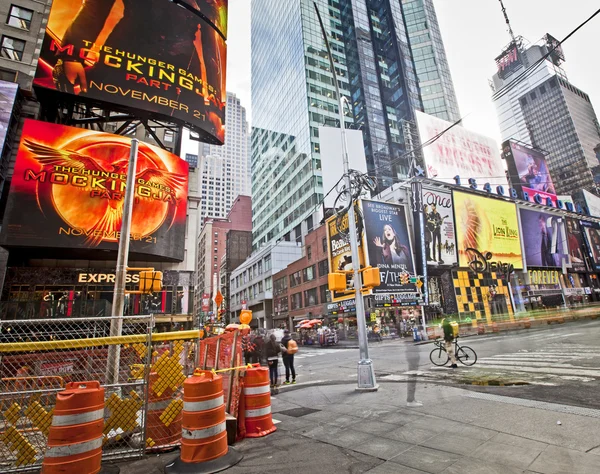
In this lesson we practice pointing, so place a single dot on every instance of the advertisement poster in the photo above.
(149, 55)
(529, 166)
(592, 202)
(591, 233)
(460, 152)
(388, 245)
(544, 238)
(440, 238)
(8, 95)
(576, 245)
(68, 190)
(486, 225)
(340, 256)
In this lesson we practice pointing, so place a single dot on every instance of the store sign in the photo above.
(342, 307)
(106, 278)
(544, 277)
(574, 291)
(483, 263)
(398, 299)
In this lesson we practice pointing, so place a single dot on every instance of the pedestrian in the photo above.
(288, 356)
(448, 339)
(273, 349)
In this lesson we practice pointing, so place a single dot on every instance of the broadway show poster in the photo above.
(576, 245)
(388, 245)
(486, 225)
(340, 255)
(68, 190)
(150, 55)
(440, 238)
(544, 238)
(591, 232)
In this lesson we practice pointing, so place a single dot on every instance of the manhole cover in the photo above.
(298, 412)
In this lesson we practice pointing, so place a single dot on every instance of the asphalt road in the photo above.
(555, 363)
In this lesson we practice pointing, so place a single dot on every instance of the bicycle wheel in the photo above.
(466, 355)
(439, 356)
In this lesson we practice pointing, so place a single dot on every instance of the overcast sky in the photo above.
(474, 33)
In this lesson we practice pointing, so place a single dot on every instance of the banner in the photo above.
(486, 225)
(576, 246)
(340, 256)
(388, 245)
(459, 152)
(440, 238)
(544, 238)
(148, 55)
(68, 189)
(591, 232)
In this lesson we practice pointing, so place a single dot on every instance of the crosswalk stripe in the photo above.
(529, 364)
(549, 370)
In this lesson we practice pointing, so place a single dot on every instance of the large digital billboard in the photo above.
(591, 232)
(388, 245)
(440, 236)
(486, 225)
(529, 170)
(576, 245)
(457, 151)
(8, 95)
(68, 190)
(149, 55)
(544, 238)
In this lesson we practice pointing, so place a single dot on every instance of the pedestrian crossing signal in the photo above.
(337, 281)
(371, 277)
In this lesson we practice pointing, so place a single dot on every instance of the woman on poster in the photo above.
(392, 251)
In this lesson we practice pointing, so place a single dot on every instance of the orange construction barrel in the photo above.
(257, 403)
(204, 435)
(163, 421)
(75, 436)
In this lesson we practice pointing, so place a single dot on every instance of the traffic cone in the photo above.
(204, 447)
(75, 436)
(257, 403)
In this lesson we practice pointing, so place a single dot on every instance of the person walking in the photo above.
(272, 351)
(288, 357)
(448, 339)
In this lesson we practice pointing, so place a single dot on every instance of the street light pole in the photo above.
(366, 373)
(116, 324)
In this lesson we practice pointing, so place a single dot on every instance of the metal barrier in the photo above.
(37, 358)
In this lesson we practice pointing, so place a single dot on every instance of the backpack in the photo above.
(292, 347)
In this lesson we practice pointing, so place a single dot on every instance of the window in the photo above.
(309, 273)
(324, 242)
(12, 48)
(325, 294)
(19, 17)
(295, 279)
(323, 268)
(310, 297)
(309, 252)
(297, 301)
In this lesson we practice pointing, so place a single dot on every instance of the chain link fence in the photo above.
(142, 373)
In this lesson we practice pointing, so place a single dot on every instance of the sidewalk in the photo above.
(335, 429)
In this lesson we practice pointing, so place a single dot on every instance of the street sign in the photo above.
(218, 298)
(244, 304)
(419, 284)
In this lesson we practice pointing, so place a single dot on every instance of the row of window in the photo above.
(255, 270)
(310, 297)
(13, 48)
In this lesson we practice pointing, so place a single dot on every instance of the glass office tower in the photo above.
(389, 60)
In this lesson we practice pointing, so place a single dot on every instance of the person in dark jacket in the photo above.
(448, 339)
(273, 349)
(288, 359)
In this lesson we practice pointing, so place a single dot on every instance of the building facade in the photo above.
(389, 59)
(226, 168)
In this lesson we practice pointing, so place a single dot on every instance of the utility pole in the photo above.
(366, 373)
(116, 324)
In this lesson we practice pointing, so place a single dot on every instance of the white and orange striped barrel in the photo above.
(257, 403)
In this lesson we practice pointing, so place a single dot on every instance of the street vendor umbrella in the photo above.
(304, 321)
(306, 326)
(315, 321)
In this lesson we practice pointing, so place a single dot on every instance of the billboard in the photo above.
(387, 241)
(592, 202)
(8, 95)
(459, 152)
(529, 170)
(68, 189)
(440, 237)
(509, 61)
(591, 233)
(544, 238)
(214, 11)
(147, 55)
(340, 255)
(576, 246)
(486, 225)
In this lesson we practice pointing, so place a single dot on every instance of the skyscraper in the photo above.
(226, 169)
(389, 59)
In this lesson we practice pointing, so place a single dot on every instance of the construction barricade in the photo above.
(204, 436)
(257, 403)
(75, 436)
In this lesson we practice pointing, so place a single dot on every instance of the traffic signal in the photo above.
(371, 277)
(337, 281)
(151, 281)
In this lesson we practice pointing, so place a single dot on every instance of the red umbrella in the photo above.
(306, 326)
(315, 321)
(304, 321)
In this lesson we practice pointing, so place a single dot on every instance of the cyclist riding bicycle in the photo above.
(448, 339)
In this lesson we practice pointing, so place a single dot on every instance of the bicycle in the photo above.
(464, 354)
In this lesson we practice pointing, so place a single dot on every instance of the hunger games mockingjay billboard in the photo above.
(150, 55)
(68, 190)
